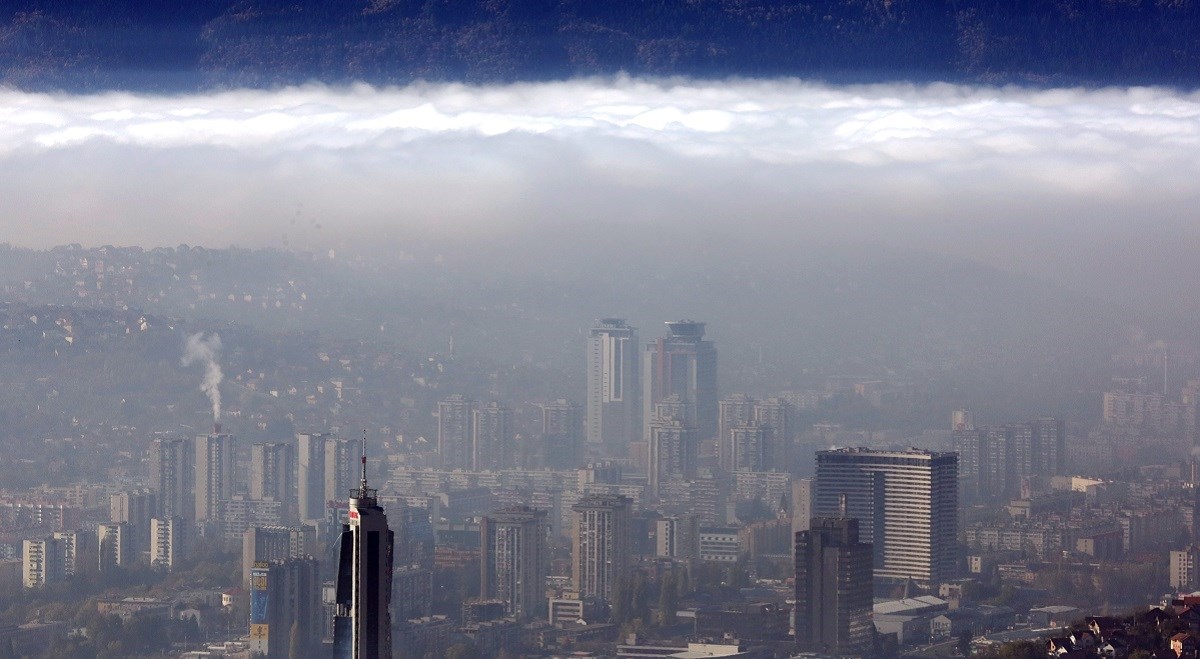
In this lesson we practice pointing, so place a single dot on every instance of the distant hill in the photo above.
(148, 44)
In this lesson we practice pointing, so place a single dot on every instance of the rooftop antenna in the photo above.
(364, 460)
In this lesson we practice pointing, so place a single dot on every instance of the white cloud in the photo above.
(939, 165)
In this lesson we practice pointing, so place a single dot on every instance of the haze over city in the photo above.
(544, 328)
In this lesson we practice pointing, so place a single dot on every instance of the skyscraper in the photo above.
(114, 542)
(749, 448)
(613, 392)
(492, 445)
(168, 542)
(310, 475)
(285, 600)
(833, 589)
(514, 560)
(906, 504)
(775, 417)
(995, 460)
(733, 411)
(562, 431)
(172, 477)
(214, 474)
(264, 544)
(601, 544)
(341, 466)
(673, 449)
(134, 508)
(454, 431)
(273, 476)
(684, 364)
(363, 592)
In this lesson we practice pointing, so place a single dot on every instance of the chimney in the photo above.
(216, 428)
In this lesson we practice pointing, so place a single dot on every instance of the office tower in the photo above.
(672, 459)
(676, 537)
(265, 544)
(363, 592)
(454, 431)
(749, 448)
(736, 410)
(601, 544)
(684, 364)
(833, 589)
(114, 541)
(562, 434)
(341, 466)
(491, 438)
(285, 608)
(802, 504)
(906, 504)
(136, 509)
(48, 560)
(673, 407)
(614, 415)
(172, 477)
(310, 475)
(273, 476)
(168, 542)
(514, 560)
(214, 473)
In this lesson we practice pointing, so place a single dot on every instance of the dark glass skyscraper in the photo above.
(833, 589)
(683, 364)
(362, 627)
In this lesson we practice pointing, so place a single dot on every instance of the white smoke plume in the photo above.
(201, 350)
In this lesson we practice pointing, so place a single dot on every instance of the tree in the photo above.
(964, 642)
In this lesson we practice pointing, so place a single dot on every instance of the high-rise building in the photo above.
(454, 431)
(733, 411)
(684, 364)
(676, 537)
(492, 444)
(995, 460)
(833, 589)
(601, 544)
(168, 542)
(749, 448)
(265, 544)
(310, 475)
(341, 466)
(172, 477)
(135, 509)
(285, 608)
(48, 560)
(802, 504)
(114, 542)
(774, 415)
(214, 473)
(562, 434)
(906, 504)
(613, 391)
(1185, 569)
(363, 591)
(673, 449)
(273, 476)
(514, 560)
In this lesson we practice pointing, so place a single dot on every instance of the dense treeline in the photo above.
(132, 43)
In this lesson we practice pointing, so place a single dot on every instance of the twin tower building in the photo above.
(630, 387)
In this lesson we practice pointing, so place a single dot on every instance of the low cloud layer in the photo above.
(1077, 177)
